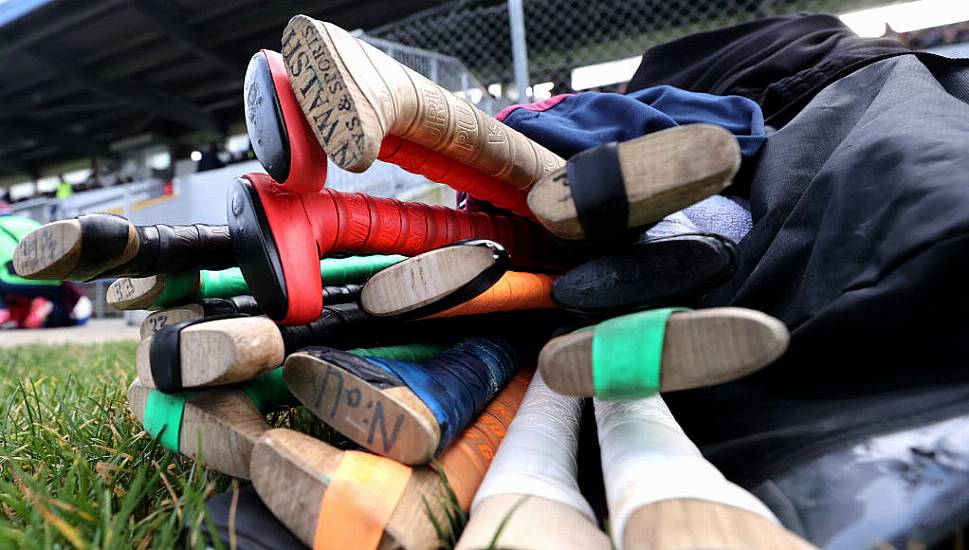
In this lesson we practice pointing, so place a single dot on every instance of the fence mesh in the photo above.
(564, 34)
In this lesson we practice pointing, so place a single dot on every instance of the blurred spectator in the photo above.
(64, 189)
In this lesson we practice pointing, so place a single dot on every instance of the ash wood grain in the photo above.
(693, 524)
(701, 348)
(391, 422)
(353, 95)
(161, 319)
(533, 523)
(219, 427)
(54, 250)
(425, 279)
(662, 173)
(221, 352)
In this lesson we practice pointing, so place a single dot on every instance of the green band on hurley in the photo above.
(627, 354)
(163, 415)
(224, 284)
(178, 288)
(269, 391)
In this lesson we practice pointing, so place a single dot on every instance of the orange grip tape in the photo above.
(466, 461)
(514, 291)
(358, 502)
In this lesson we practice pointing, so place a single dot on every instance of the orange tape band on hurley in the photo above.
(358, 502)
(514, 291)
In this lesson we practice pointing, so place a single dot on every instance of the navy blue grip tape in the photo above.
(457, 384)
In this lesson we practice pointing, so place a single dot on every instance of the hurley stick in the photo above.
(279, 238)
(334, 499)
(221, 425)
(637, 355)
(409, 411)
(466, 278)
(435, 280)
(99, 246)
(530, 494)
(217, 352)
(173, 289)
(236, 305)
(664, 495)
(287, 149)
(354, 95)
(605, 190)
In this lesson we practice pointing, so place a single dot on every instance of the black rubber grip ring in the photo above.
(595, 180)
(165, 353)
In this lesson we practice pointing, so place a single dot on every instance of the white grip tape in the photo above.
(647, 458)
(538, 455)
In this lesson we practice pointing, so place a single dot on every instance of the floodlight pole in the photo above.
(519, 49)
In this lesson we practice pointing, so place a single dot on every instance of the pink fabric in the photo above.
(542, 105)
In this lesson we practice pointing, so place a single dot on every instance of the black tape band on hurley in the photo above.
(595, 180)
(165, 353)
(104, 238)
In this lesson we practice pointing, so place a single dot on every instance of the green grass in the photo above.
(78, 471)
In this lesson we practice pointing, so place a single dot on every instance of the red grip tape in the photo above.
(438, 167)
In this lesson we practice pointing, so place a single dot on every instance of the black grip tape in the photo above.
(165, 353)
(595, 180)
(330, 329)
(174, 248)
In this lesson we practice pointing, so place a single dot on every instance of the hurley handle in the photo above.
(513, 292)
(330, 329)
(438, 167)
(355, 222)
(172, 248)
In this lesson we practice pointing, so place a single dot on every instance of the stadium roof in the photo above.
(79, 76)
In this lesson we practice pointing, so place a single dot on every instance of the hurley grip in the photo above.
(174, 248)
(437, 167)
(362, 223)
(513, 292)
(330, 329)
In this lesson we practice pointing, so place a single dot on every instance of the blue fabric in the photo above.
(457, 384)
(588, 119)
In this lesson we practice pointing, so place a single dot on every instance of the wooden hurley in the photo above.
(466, 278)
(699, 348)
(530, 494)
(353, 96)
(220, 425)
(378, 410)
(176, 289)
(227, 351)
(99, 246)
(662, 493)
(336, 499)
(609, 188)
(242, 305)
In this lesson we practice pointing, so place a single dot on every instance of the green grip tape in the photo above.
(627, 354)
(269, 391)
(412, 352)
(178, 288)
(224, 284)
(163, 415)
(355, 269)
